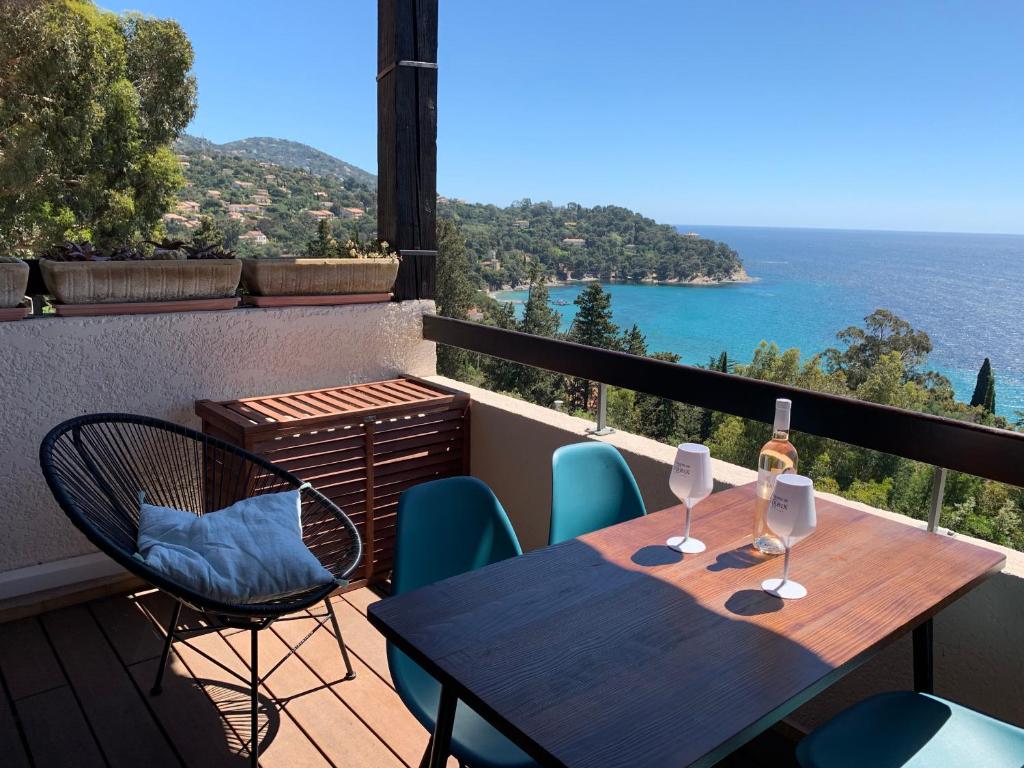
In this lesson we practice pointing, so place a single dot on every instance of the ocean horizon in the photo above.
(811, 283)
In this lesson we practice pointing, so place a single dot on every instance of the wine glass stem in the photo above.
(785, 567)
(686, 531)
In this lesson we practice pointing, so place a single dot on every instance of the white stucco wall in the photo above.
(159, 365)
(977, 639)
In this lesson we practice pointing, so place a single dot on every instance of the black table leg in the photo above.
(440, 744)
(922, 638)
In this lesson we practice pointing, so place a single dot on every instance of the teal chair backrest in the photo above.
(447, 527)
(591, 488)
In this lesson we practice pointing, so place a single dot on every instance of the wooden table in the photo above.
(612, 650)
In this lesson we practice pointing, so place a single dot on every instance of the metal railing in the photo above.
(946, 444)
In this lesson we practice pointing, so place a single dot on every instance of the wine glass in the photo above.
(792, 517)
(690, 481)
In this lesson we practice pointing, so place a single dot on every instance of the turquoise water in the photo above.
(964, 290)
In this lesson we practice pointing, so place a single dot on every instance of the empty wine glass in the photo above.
(690, 481)
(792, 517)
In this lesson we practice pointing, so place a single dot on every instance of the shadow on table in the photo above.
(739, 558)
(753, 602)
(656, 555)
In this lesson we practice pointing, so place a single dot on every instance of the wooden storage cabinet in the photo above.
(359, 445)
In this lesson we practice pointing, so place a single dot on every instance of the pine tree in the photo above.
(990, 395)
(593, 327)
(324, 246)
(981, 386)
(539, 319)
(454, 293)
(658, 417)
(720, 364)
(634, 342)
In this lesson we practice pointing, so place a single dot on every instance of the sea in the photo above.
(965, 290)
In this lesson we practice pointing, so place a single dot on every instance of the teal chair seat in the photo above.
(447, 527)
(591, 488)
(912, 730)
(474, 741)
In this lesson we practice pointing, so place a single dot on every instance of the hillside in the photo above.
(266, 207)
(573, 242)
(282, 152)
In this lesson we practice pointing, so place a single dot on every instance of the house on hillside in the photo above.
(253, 236)
(321, 195)
(243, 184)
(262, 199)
(441, 200)
(321, 214)
(352, 213)
(214, 194)
(236, 216)
(250, 208)
(521, 223)
(691, 234)
(574, 242)
(187, 206)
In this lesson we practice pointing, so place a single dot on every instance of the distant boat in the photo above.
(561, 303)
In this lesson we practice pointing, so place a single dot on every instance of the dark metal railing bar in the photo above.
(995, 454)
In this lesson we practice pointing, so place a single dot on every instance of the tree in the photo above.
(990, 395)
(658, 417)
(883, 333)
(208, 233)
(89, 104)
(634, 342)
(982, 384)
(454, 293)
(539, 319)
(592, 326)
(324, 245)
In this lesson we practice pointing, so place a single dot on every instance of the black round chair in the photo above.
(96, 465)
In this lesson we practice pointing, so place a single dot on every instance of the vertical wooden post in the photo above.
(407, 139)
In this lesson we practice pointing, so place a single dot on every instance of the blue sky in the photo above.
(884, 115)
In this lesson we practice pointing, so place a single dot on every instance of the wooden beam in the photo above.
(407, 139)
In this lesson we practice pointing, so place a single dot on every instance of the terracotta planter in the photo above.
(13, 282)
(312, 277)
(115, 282)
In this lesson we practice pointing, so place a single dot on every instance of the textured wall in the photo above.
(159, 365)
(977, 639)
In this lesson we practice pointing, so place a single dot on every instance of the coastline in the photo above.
(738, 276)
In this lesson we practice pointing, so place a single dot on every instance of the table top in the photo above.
(613, 650)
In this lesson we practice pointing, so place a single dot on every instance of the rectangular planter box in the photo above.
(117, 282)
(312, 277)
(13, 282)
(360, 446)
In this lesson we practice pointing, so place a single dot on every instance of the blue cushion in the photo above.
(901, 729)
(247, 553)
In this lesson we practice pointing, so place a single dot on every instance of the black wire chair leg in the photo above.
(254, 671)
(158, 683)
(349, 672)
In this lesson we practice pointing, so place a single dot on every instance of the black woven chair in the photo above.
(96, 465)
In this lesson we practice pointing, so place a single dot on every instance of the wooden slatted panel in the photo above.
(361, 446)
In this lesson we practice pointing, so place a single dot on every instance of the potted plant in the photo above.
(330, 269)
(13, 284)
(77, 273)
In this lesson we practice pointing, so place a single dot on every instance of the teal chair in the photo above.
(901, 729)
(447, 527)
(591, 488)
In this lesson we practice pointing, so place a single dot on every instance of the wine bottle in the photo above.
(778, 456)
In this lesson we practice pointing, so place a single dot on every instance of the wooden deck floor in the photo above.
(76, 693)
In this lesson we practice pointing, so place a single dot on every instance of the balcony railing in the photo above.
(947, 444)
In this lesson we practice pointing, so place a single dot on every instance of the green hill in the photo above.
(280, 189)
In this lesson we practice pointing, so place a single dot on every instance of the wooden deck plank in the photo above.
(56, 730)
(190, 717)
(372, 700)
(119, 717)
(346, 741)
(134, 637)
(12, 750)
(362, 639)
(27, 660)
(286, 744)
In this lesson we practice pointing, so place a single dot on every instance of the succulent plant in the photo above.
(126, 253)
(207, 251)
(69, 251)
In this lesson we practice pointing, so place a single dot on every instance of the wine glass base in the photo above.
(788, 590)
(688, 546)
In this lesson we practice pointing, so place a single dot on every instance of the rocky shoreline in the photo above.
(738, 276)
